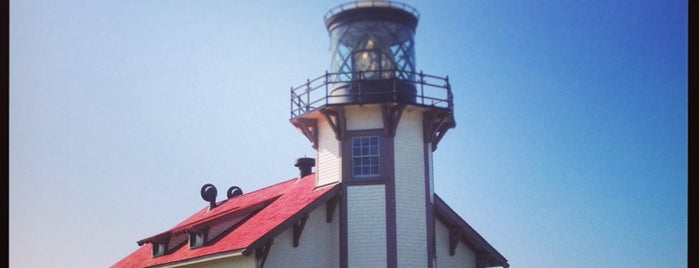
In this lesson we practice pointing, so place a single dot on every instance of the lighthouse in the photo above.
(374, 122)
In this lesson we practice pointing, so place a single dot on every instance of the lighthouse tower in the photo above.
(374, 122)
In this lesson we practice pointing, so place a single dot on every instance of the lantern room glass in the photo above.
(372, 50)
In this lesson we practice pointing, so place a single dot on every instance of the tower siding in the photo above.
(410, 186)
(364, 117)
(463, 256)
(329, 158)
(366, 226)
(318, 246)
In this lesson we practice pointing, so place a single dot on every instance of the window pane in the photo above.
(365, 156)
(158, 249)
(356, 142)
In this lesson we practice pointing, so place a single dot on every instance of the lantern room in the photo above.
(372, 40)
(372, 52)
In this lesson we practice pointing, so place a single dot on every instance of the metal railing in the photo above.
(430, 91)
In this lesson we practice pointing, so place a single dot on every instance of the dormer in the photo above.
(164, 243)
(159, 249)
(198, 238)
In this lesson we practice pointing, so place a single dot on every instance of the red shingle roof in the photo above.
(264, 213)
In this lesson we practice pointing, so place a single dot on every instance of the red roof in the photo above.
(262, 214)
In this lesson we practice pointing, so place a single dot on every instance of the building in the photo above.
(374, 123)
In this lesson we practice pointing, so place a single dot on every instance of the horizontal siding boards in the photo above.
(329, 160)
(411, 224)
(366, 224)
(318, 245)
(364, 117)
(463, 257)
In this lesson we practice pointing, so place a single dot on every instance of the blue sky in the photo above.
(570, 148)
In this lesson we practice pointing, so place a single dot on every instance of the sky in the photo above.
(570, 148)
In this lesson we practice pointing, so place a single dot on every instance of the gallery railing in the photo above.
(351, 88)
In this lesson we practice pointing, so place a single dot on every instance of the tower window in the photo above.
(365, 156)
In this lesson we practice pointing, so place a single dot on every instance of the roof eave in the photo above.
(262, 241)
(201, 259)
(494, 258)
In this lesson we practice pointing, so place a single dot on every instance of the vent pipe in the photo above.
(305, 165)
(234, 191)
(208, 193)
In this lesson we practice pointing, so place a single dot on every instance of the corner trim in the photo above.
(429, 210)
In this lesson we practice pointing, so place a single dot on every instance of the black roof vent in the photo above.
(305, 165)
(208, 193)
(234, 191)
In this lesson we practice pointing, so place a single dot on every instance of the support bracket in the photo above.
(330, 209)
(261, 254)
(435, 125)
(298, 229)
(454, 237)
(309, 128)
(336, 119)
(481, 260)
(391, 117)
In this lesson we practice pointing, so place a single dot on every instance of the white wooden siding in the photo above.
(328, 160)
(464, 256)
(319, 246)
(364, 117)
(411, 225)
(366, 226)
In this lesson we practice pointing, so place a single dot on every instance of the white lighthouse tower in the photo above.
(374, 122)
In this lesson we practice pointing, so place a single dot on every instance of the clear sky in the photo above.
(570, 148)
